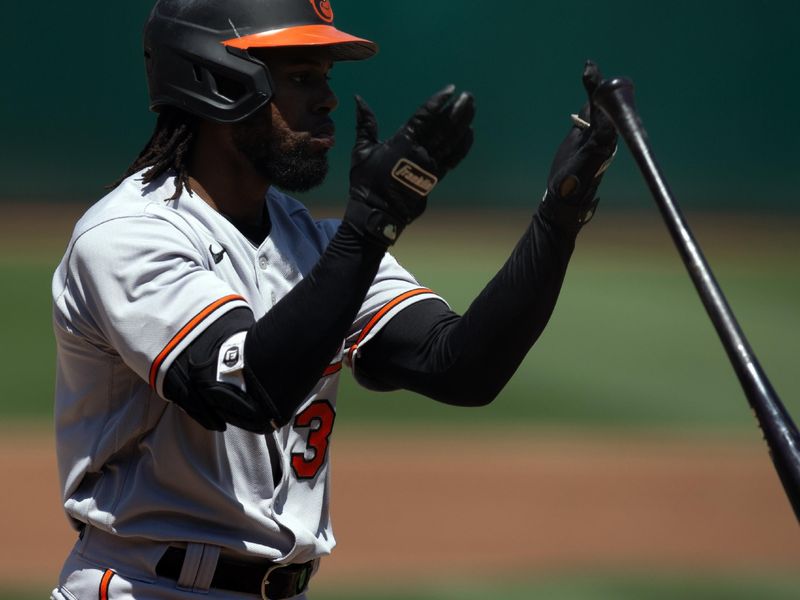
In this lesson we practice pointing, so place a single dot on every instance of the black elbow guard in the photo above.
(192, 384)
(214, 404)
(239, 408)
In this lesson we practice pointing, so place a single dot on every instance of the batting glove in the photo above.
(580, 161)
(390, 181)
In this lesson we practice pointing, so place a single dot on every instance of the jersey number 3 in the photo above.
(318, 417)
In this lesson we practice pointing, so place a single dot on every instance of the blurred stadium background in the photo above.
(629, 354)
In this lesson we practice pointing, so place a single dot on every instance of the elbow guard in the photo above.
(210, 382)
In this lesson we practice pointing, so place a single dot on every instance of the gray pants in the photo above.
(104, 567)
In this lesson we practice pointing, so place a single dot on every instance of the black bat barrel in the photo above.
(615, 97)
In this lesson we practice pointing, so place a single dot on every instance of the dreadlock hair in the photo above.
(168, 148)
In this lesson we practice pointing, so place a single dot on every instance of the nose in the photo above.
(327, 101)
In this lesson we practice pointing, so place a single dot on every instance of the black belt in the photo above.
(266, 579)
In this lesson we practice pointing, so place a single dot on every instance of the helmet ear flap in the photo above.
(223, 87)
(227, 89)
(202, 76)
(236, 89)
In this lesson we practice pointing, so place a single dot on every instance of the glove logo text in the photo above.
(414, 177)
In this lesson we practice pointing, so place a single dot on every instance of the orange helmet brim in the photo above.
(343, 45)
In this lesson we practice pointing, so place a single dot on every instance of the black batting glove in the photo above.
(580, 161)
(390, 181)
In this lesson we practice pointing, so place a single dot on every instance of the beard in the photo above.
(280, 155)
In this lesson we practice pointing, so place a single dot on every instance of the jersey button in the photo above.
(263, 263)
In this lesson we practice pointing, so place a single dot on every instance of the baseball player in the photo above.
(202, 316)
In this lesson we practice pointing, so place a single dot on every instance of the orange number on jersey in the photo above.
(319, 418)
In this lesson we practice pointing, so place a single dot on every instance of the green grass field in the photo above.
(628, 346)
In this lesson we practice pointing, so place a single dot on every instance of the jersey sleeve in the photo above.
(140, 288)
(393, 290)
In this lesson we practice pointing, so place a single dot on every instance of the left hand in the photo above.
(581, 159)
(390, 180)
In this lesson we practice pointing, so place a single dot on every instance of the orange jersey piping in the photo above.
(382, 312)
(187, 329)
(105, 582)
(331, 369)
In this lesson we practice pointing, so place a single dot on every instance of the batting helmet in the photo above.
(196, 51)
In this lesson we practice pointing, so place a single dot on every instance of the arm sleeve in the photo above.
(466, 360)
(285, 353)
(289, 348)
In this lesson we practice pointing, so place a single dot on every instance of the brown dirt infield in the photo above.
(482, 504)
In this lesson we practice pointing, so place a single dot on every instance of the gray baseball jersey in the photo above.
(142, 277)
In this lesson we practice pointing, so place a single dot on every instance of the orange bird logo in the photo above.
(323, 9)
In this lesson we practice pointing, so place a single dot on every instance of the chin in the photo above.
(299, 176)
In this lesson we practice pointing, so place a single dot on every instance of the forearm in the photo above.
(288, 349)
(467, 360)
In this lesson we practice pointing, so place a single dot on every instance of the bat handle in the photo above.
(615, 97)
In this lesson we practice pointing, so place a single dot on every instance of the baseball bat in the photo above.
(615, 97)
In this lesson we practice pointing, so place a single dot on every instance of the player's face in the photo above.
(287, 141)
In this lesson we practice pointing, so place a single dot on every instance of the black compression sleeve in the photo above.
(287, 350)
(467, 360)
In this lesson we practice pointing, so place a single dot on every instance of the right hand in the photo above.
(390, 180)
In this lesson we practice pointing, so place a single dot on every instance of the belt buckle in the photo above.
(265, 582)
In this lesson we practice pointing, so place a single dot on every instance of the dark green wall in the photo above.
(717, 84)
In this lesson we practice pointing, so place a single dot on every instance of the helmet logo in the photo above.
(323, 9)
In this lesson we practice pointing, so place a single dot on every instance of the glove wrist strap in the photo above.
(569, 215)
(373, 223)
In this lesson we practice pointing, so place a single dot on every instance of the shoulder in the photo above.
(131, 199)
(131, 210)
(124, 223)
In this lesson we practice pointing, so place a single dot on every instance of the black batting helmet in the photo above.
(196, 51)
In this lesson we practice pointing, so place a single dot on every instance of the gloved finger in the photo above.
(456, 151)
(439, 100)
(594, 160)
(450, 127)
(591, 78)
(430, 112)
(366, 125)
(462, 111)
(602, 129)
(585, 114)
